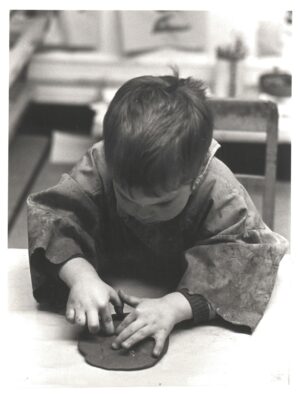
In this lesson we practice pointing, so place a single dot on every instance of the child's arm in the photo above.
(89, 296)
(232, 261)
(234, 257)
(64, 222)
(153, 317)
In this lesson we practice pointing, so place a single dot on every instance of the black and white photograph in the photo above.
(149, 240)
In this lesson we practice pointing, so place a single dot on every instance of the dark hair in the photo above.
(157, 131)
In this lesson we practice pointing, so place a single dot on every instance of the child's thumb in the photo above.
(130, 300)
(115, 299)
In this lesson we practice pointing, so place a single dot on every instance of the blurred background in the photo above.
(65, 67)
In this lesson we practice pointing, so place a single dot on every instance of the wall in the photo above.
(221, 27)
(77, 76)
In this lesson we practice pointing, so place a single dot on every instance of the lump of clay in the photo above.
(98, 352)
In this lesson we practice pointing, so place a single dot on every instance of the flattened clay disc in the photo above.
(98, 352)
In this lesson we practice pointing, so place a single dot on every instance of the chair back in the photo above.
(252, 121)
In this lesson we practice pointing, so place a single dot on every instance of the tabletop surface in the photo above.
(45, 350)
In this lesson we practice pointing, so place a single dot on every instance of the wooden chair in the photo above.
(251, 121)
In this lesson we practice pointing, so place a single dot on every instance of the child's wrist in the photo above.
(77, 270)
(179, 307)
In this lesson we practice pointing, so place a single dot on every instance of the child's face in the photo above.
(149, 209)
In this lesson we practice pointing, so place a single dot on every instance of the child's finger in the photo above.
(80, 317)
(93, 321)
(106, 320)
(127, 333)
(70, 315)
(159, 344)
(115, 299)
(128, 320)
(130, 300)
(138, 336)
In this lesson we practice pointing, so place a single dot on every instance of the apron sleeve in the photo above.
(235, 257)
(63, 222)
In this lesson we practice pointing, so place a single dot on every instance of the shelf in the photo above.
(26, 34)
(26, 45)
(18, 102)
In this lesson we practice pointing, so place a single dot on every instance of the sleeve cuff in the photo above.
(48, 288)
(41, 262)
(202, 311)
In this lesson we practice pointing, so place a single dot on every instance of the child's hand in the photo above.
(89, 296)
(89, 300)
(151, 318)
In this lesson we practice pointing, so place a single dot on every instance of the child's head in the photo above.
(157, 131)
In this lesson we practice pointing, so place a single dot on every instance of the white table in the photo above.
(45, 345)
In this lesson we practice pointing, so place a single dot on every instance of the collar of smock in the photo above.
(214, 146)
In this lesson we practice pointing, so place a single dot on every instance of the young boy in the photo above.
(152, 201)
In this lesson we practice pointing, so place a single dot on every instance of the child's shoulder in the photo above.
(220, 176)
(221, 171)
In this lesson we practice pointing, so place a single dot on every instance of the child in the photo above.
(152, 201)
